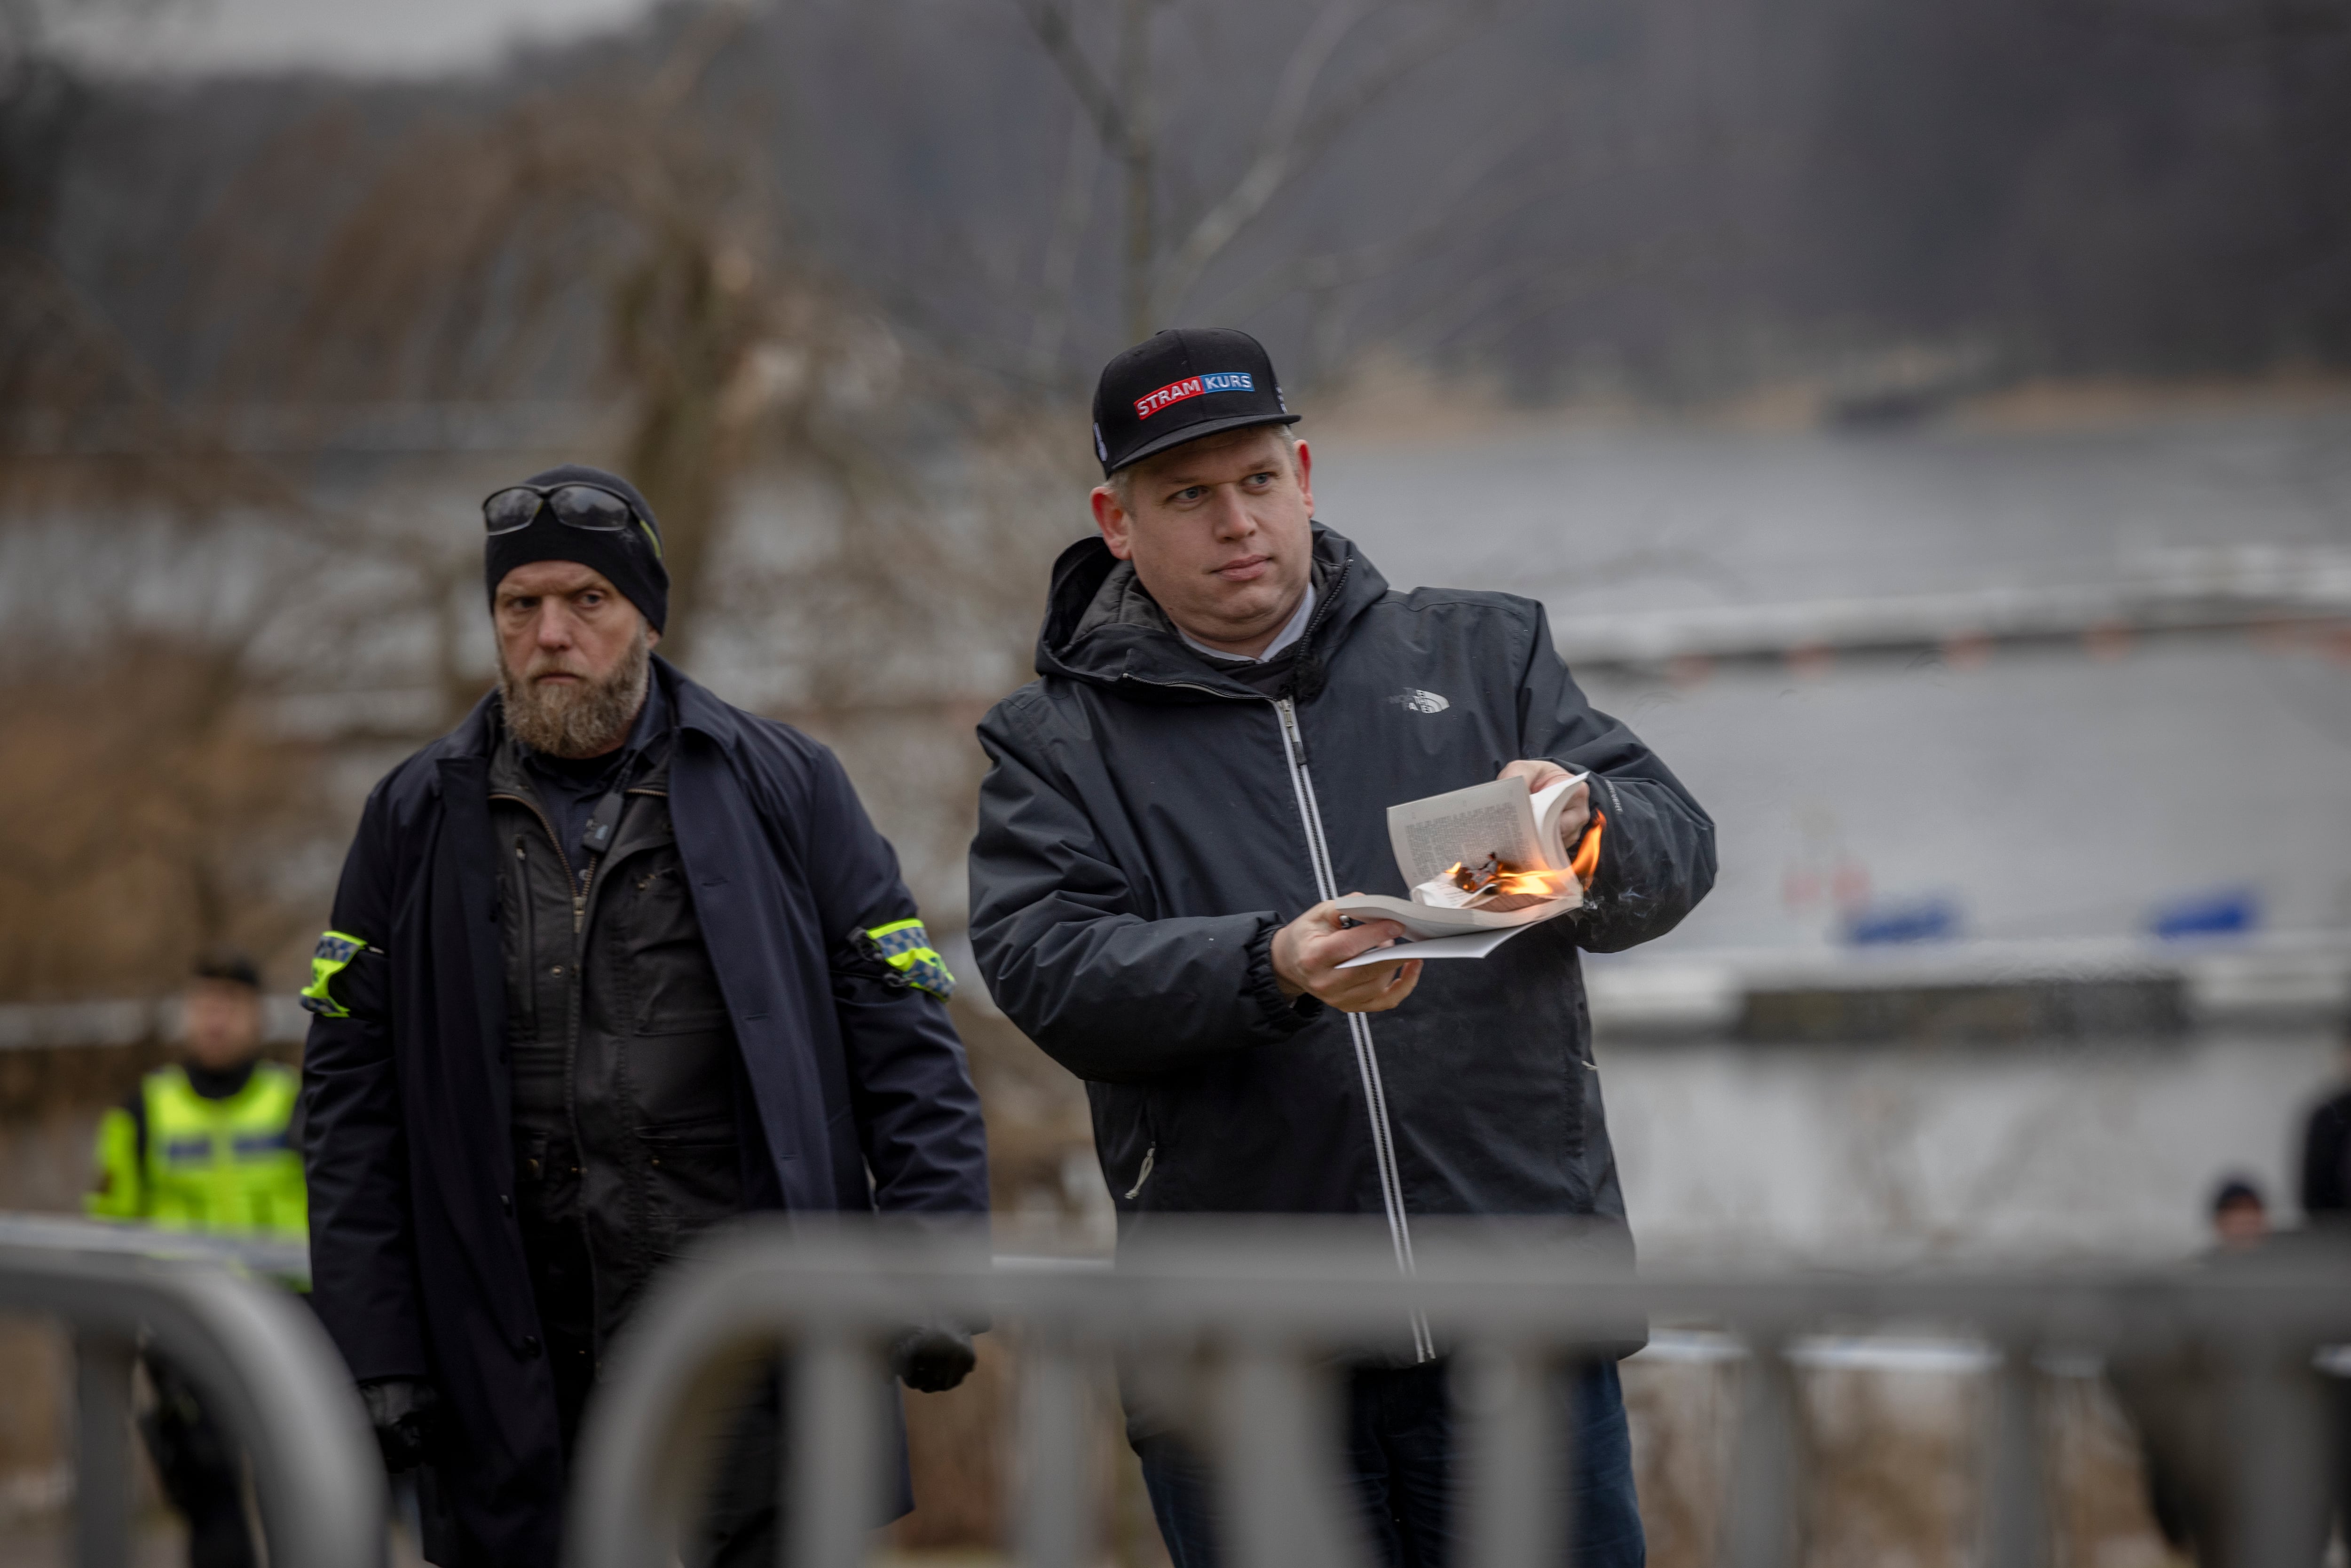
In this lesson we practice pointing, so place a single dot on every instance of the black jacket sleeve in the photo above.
(2323, 1158)
(1657, 853)
(355, 1149)
(1111, 996)
(918, 1117)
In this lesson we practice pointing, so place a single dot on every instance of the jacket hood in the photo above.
(1102, 627)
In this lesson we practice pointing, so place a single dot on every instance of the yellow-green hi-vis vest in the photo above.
(209, 1164)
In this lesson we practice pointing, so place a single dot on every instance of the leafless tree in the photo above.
(1314, 103)
(82, 419)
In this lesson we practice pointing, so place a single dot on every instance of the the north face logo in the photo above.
(1419, 701)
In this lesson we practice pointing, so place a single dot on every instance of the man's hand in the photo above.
(406, 1415)
(1308, 951)
(1539, 775)
(934, 1358)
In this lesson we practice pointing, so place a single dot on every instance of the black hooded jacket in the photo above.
(1152, 820)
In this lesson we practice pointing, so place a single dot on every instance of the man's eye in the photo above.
(1194, 494)
(1261, 480)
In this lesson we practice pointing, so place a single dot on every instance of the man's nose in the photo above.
(553, 627)
(1232, 518)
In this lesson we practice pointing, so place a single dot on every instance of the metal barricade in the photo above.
(257, 1356)
(1255, 1316)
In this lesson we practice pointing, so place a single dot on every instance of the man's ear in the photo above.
(1112, 520)
(1305, 476)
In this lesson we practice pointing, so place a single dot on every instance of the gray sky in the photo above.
(370, 37)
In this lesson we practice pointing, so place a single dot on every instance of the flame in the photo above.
(1475, 881)
(1496, 879)
(1536, 883)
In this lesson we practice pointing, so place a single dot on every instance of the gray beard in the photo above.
(585, 720)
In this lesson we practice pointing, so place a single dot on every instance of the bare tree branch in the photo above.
(1050, 21)
(1058, 278)
(1280, 151)
(719, 24)
(1444, 216)
(1293, 137)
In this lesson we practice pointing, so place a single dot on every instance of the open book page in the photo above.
(1421, 921)
(1467, 945)
(1547, 806)
(1463, 826)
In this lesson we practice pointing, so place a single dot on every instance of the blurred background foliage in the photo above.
(850, 266)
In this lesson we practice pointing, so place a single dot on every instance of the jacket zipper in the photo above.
(575, 1004)
(1150, 1157)
(570, 880)
(1359, 1027)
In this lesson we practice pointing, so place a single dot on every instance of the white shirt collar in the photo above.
(1291, 633)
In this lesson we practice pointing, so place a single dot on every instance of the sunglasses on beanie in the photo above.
(590, 508)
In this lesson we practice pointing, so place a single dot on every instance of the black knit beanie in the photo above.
(631, 558)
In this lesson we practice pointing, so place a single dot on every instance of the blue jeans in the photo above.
(1399, 1448)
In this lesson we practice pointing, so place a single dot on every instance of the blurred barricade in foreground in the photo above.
(1240, 1331)
(1242, 1327)
(256, 1354)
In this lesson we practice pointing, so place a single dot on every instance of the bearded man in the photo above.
(611, 963)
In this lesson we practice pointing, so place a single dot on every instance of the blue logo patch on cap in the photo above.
(1191, 387)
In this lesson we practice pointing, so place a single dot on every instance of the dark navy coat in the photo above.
(862, 1092)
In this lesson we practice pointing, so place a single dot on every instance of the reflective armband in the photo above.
(906, 947)
(333, 955)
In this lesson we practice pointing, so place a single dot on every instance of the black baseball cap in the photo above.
(228, 965)
(1183, 384)
(2235, 1190)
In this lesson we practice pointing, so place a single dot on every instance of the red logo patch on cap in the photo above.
(1193, 386)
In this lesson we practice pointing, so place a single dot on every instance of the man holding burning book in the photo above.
(1231, 700)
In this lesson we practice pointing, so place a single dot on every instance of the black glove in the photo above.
(932, 1358)
(406, 1415)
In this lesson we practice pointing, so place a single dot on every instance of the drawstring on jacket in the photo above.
(1309, 676)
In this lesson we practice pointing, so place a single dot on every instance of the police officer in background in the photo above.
(206, 1143)
(611, 963)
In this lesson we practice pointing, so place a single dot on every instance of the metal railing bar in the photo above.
(264, 1366)
(2278, 1438)
(283, 1261)
(2015, 1523)
(1045, 1263)
(1278, 1433)
(835, 1448)
(1518, 1467)
(263, 1360)
(1335, 1292)
(1759, 1518)
(1055, 1522)
(657, 1416)
(1281, 1304)
(102, 1449)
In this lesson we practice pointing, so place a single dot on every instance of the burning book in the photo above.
(1495, 886)
(1483, 864)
